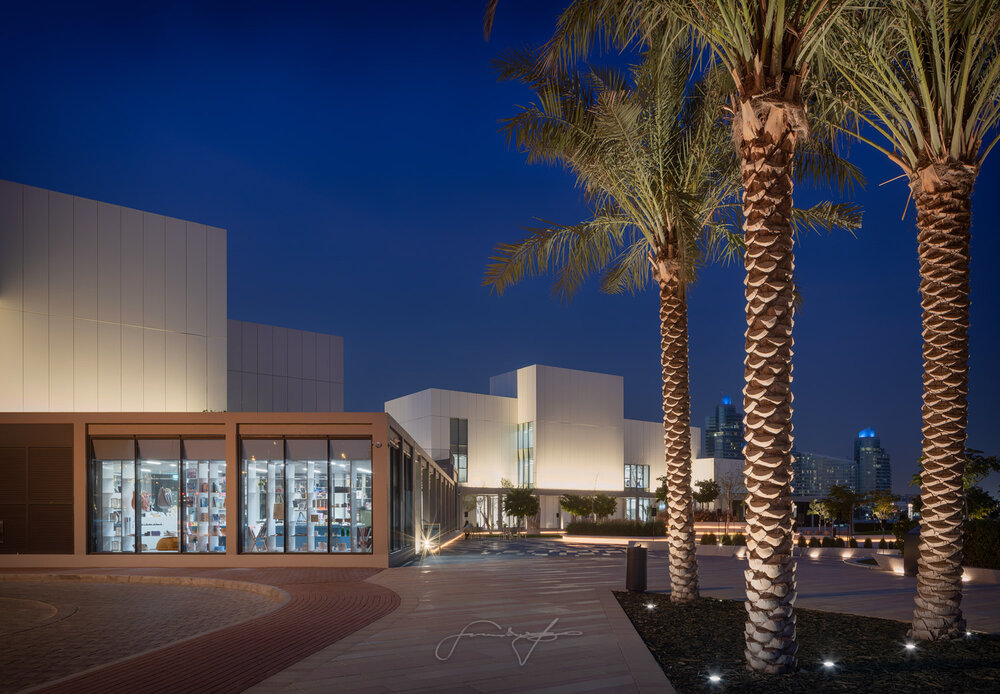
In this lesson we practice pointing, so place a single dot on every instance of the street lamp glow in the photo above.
(650, 606)
(714, 679)
(828, 663)
(911, 646)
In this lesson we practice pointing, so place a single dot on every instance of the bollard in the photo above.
(911, 551)
(635, 569)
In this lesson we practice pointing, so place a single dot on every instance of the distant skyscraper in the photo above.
(813, 474)
(724, 431)
(874, 472)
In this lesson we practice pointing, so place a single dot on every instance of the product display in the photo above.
(168, 502)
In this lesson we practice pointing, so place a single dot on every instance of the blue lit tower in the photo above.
(724, 431)
(874, 471)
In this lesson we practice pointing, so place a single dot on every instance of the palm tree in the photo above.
(650, 156)
(768, 47)
(925, 77)
(658, 171)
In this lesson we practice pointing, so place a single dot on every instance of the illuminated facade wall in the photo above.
(492, 423)
(580, 441)
(107, 308)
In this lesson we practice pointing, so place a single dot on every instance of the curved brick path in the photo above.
(324, 606)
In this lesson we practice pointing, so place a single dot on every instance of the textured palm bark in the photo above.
(943, 197)
(677, 435)
(767, 148)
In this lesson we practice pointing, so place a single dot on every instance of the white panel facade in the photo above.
(103, 303)
(274, 369)
(579, 429)
(492, 429)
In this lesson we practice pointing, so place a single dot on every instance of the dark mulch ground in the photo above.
(694, 641)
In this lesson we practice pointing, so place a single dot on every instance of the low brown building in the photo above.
(217, 489)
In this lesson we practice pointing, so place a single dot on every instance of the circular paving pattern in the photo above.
(20, 614)
(56, 628)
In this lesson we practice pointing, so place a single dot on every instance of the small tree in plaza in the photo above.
(845, 500)
(604, 505)
(520, 503)
(729, 486)
(884, 508)
(824, 508)
(576, 505)
(707, 491)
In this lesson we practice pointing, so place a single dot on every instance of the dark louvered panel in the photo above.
(50, 529)
(13, 517)
(26, 435)
(13, 478)
(50, 475)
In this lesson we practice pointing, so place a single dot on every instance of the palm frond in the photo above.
(573, 252)
(827, 216)
(925, 74)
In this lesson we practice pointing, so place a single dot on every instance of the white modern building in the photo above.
(561, 431)
(110, 309)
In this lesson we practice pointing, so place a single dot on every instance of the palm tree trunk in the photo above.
(677, 435)
(767, 149)
(943, 197)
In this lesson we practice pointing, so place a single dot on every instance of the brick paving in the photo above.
(323, 606)
(97, 623)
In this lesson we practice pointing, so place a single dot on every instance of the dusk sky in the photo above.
(353, 155)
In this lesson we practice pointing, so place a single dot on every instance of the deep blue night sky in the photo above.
(354, 158)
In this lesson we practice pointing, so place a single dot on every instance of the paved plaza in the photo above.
(458, 621)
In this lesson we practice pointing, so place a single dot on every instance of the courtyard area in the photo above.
(483, 615)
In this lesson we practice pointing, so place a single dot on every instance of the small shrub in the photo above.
(982, 544)
(814, 542)
(852, 543)
(726, 539)
(839, 542)
(802, 541)
(617, 528)
(709, 539)
(868, 543)
(903, 526)
(882, 544)
(828, 542)
(899, 545)
(739, 540)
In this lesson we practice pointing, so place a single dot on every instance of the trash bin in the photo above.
(635, 569)
(911, 551)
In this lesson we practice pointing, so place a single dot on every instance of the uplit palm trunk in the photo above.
(677, 435)
(943, 198)
(767, 148)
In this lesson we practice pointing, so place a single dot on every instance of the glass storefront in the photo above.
(138, 491)
(314, 493)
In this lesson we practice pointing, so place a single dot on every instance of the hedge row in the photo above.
(622, 528)
(734, 540)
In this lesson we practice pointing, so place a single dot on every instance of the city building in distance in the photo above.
(874, 470)
(724, 431)
(815, 473)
